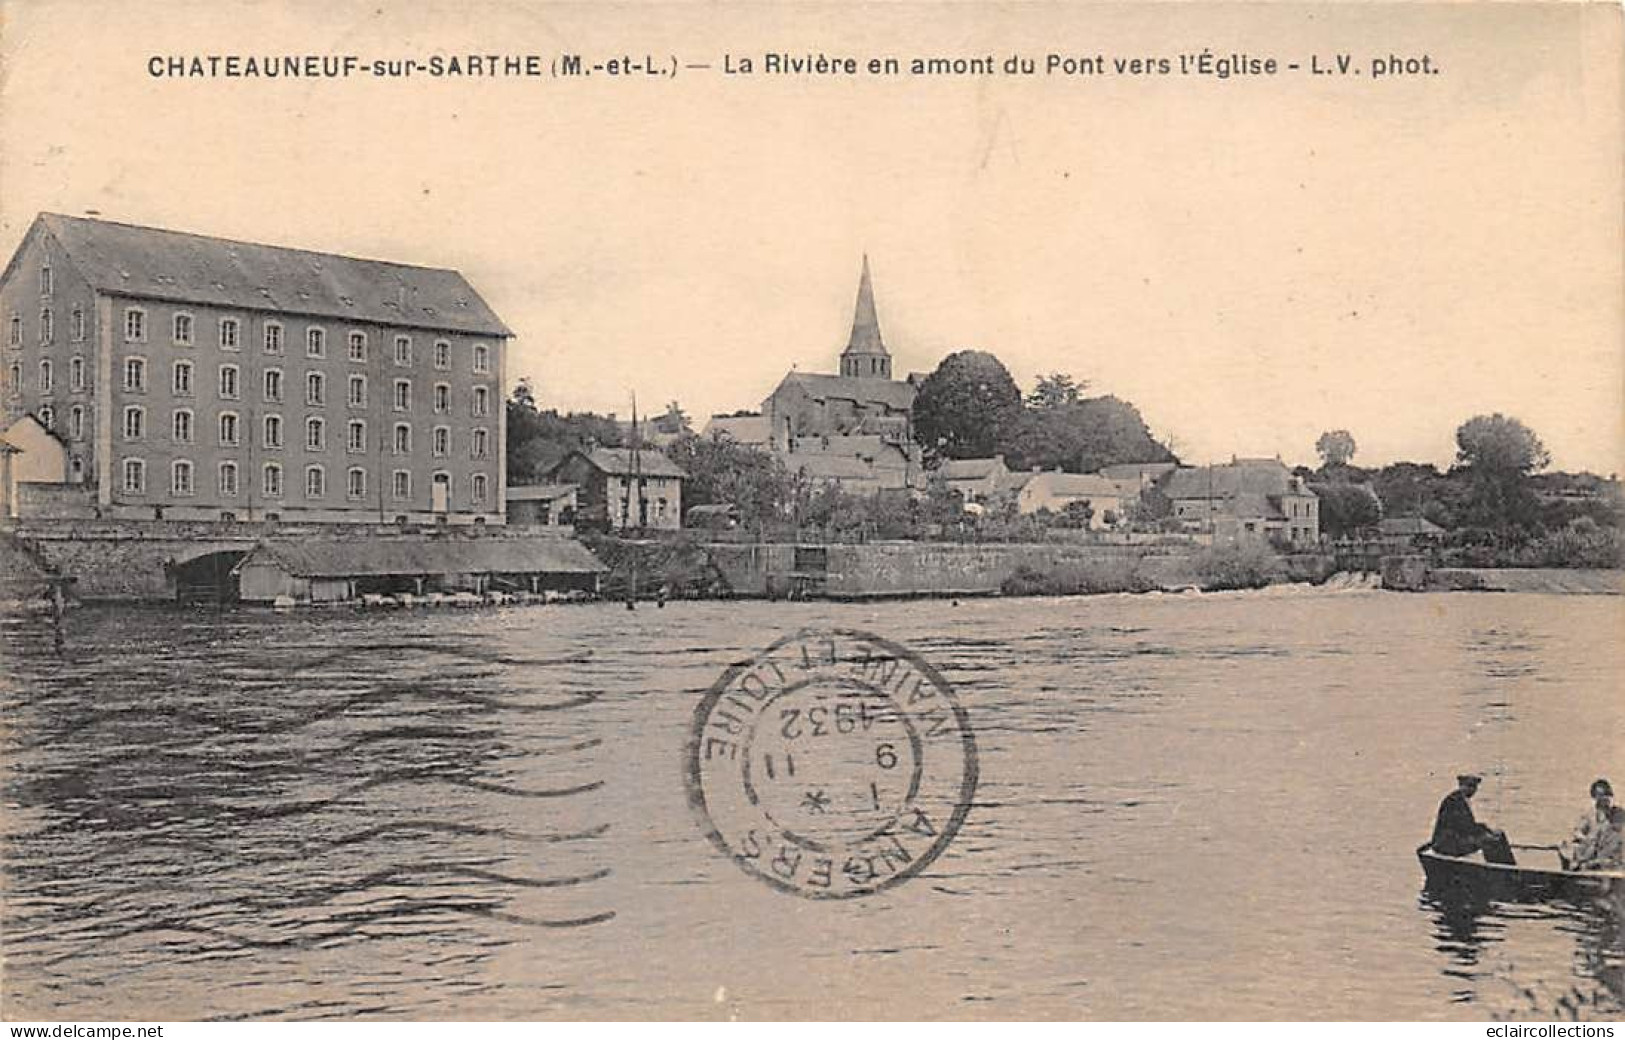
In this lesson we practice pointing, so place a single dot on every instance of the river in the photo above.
(1190, 807)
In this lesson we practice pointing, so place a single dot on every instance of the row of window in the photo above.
(182, 481)
(228, 385)
(47, 327)
(229, 337)
(229, 429)
(135, 381)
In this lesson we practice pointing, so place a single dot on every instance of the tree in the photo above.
(1499, 453)
(1336, 448)
(1080, 437)
(721, 471)
(1347, 509)
(1055, 390)
(1499, 444)
(1077, 513)
(963, 407)
(537, 440)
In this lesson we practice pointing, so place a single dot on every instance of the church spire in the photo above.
(865, 355)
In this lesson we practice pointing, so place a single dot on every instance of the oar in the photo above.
(1542, 848)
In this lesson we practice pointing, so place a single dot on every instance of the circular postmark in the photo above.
(833, 765)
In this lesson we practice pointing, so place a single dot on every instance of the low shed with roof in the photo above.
(335, 570)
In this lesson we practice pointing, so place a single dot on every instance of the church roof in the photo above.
(155, 263)
(889, 392)
(865, 338)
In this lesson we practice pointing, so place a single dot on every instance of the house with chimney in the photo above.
(1245, 499)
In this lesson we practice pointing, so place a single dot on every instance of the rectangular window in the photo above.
(315, 434)
(480, 482)
(76, 374)
(180, 477)
(403, 439)
(273, 338)
(135, 375)
(356, 438)
(230, 334)
(135, 423)
(401, 481)
(358, 392)
(442, 441)
(356, 483)
(442, 354)
(46, 281)
(183, 330)
(47, 326)
(77, 325)
(358, 346)
(482, 358)
(76, 423)
(180, 426)
(480, 447)
(272, 431)
(315, 342)
(180, 382)
(135, 476)
(271, 485)
(47, 377)
(229, 432)
(403, 350)
(403, 395)
(135, 325)
(315, 388)
(482, 401)
(273, 384)
(228, 382)
(15, 336)
(228, 479)
(442, 398)
(315, 482)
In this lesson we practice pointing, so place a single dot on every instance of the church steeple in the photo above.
(865, 356)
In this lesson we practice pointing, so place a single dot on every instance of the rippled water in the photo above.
(1189, 808)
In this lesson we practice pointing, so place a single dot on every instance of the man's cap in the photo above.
(1469, 778)
(1601, 786)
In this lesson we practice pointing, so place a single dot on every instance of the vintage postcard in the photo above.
(846, 511)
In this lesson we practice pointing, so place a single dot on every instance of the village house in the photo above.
(1055, 491)
(978, 481)
(1246, 499)
(198, 378)
(1134, 479)
(752, 431)
(619, 488)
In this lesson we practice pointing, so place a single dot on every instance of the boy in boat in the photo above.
(1607, 851)
(1592, 826)
(1456, 832)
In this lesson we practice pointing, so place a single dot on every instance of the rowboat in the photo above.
(1466, 876)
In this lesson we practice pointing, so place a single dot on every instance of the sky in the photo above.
(1250, 260)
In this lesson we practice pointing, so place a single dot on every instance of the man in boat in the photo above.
(1607, 850)
(1456, 832)
(1592, 826)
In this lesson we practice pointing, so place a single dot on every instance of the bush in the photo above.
(1238, 565)
(1079, 578)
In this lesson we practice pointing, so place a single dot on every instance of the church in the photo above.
(856, 428)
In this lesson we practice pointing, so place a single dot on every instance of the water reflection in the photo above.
(1483, 946)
